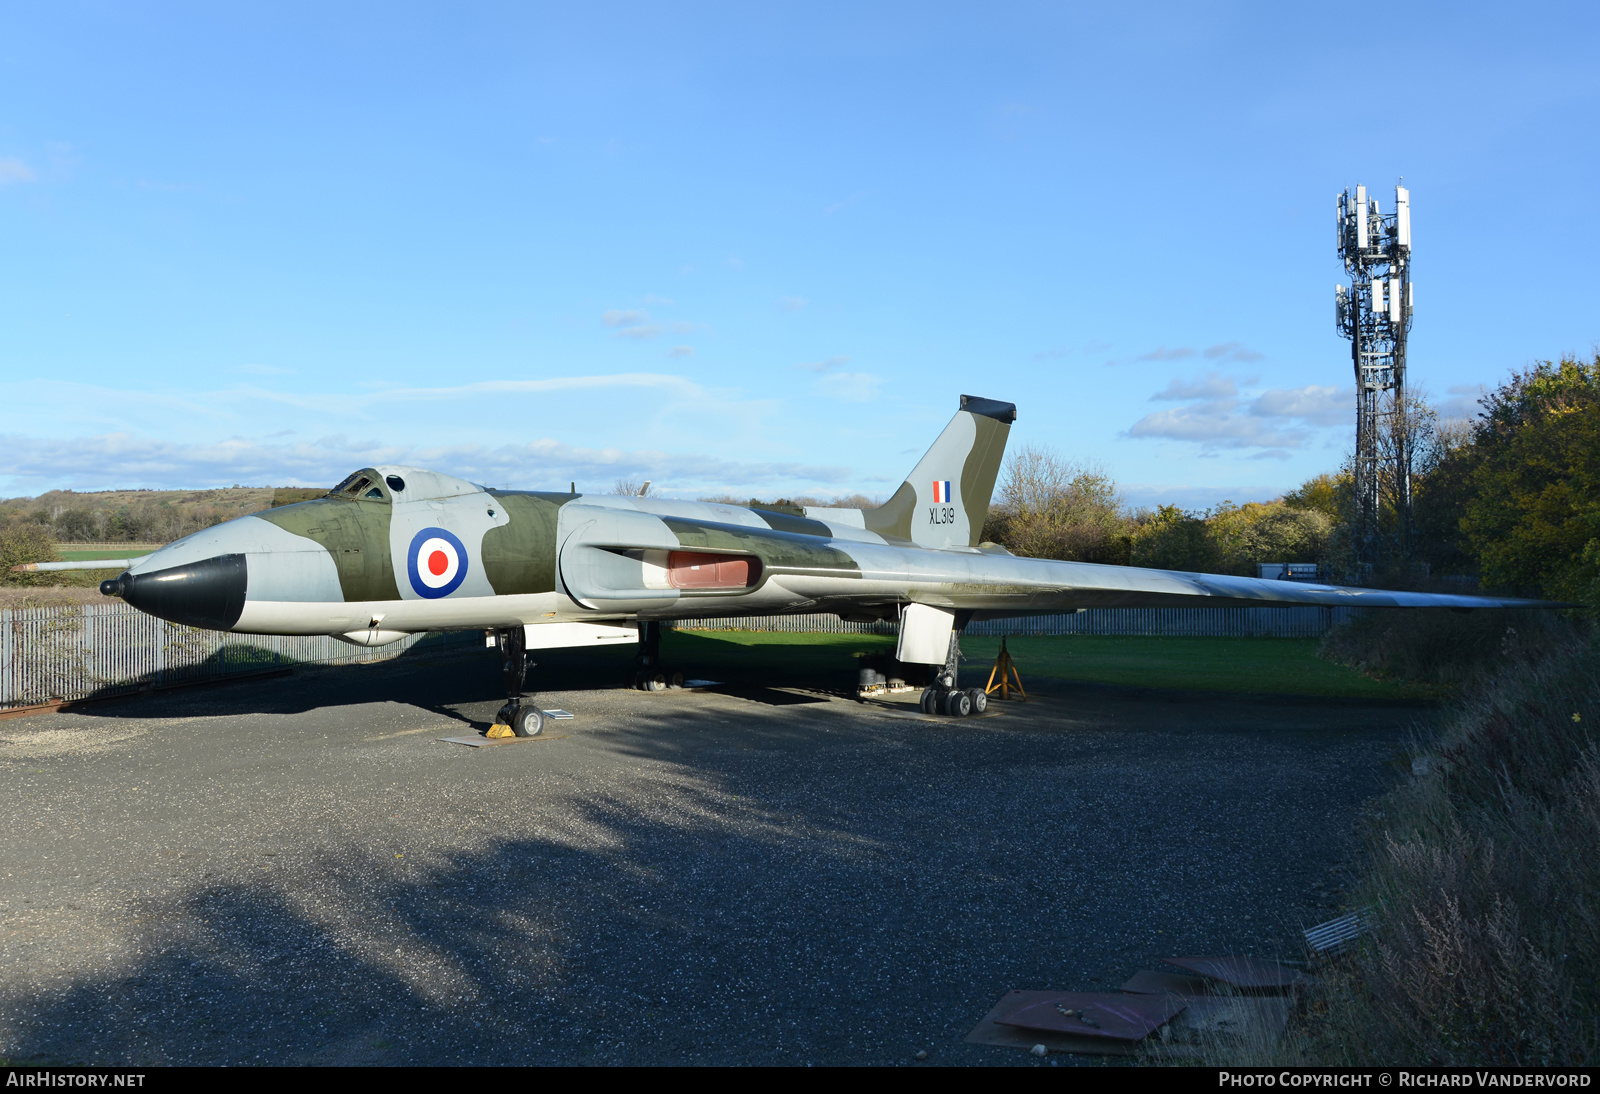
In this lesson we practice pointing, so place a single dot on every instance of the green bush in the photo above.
(1439, 648)
(26, 541)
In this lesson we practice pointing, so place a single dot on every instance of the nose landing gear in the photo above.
(517, 718)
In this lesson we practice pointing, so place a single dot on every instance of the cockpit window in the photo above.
(362, 484)
(396, 483)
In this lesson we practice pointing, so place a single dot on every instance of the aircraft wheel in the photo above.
(676, 680)
(528, 722)
(960, 704)
(980, 700)
(930, 701)
(658, 682)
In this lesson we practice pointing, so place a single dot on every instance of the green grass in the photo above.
(95, 556)
(1267, 666)
(828, 659)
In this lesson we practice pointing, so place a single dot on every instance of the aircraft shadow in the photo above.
(445, 681)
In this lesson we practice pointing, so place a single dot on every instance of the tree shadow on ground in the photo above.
(791, 885)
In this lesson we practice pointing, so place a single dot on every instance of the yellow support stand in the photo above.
(1006, 670)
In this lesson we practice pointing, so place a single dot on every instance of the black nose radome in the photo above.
(207, 594)
(112, 586)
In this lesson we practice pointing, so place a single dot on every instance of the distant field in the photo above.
(1270, 666)
(90, 555)
(1274, 666)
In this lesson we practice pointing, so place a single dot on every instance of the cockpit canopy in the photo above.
(364, 484)
(401, 484)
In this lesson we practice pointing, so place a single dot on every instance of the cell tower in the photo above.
(1374, 312)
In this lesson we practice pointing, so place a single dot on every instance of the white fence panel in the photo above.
(49, 654)
(1299, 622)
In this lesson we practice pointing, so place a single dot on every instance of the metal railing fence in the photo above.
(76, 652)
(1298, 622)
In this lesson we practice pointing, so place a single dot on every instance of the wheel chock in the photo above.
(499, 730)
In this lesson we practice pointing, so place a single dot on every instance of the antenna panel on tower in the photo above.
(1374, 312)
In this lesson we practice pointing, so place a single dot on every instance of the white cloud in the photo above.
(244, 406)
(636, 324)
(1213, 385)
(1216, 417)
(1316, 405)
(132, 460)
(1224, 351)
(14, 170)
(1464, 401)
(631, 317)
(1160, 353)
(1215, 423)
(1231, 351)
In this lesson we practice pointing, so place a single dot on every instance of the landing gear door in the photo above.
(924, 635)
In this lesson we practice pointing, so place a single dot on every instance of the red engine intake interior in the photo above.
(688, 570)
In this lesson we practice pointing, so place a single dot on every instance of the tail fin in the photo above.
(945, 501)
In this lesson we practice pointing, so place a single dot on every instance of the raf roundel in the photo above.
(437, 563)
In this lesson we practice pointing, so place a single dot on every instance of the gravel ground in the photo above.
(296, 871)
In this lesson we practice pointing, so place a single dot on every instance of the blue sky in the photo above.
(760, 248)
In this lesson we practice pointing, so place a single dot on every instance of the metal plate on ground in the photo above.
(487, 742)
(1249, 973)
(559, 715)
(990, 1032)
(1156, 982)
(1113, 1016)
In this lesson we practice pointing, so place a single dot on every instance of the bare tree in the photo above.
(1052, 507)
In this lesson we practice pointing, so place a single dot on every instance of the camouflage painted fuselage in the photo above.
(396, 550)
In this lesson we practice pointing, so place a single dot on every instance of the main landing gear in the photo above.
(944, 696)
(523, 718)
(648, 675)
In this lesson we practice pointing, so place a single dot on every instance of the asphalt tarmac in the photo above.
(296, 870)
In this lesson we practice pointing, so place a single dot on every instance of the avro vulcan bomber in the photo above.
(391, 551)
